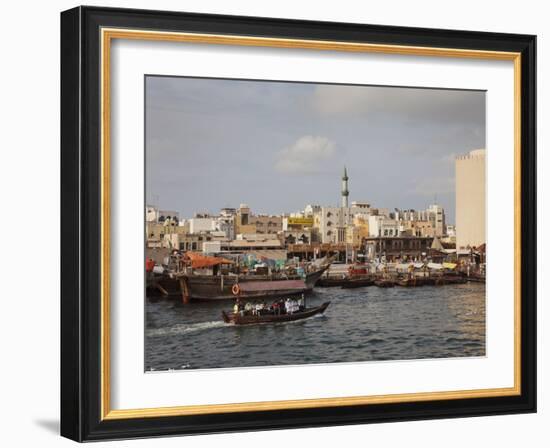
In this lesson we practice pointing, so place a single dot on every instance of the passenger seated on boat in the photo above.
(258, 309)
(279, 306)
(275, 307)
(236, 308)
(248, 308)
(291, 306)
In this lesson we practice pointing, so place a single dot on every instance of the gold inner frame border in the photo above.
(107, 35)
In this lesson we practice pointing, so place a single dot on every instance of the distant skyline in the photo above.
(278, 146)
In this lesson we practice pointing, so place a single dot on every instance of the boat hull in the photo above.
(359, 283)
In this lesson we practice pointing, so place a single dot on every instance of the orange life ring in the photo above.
(236, 289)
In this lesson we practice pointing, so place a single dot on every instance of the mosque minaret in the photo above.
(345, 191)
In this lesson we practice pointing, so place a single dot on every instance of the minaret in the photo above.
(345, 191)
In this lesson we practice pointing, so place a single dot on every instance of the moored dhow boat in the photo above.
(355, 272)
(331, 281)
(249, 318)
(194, 284)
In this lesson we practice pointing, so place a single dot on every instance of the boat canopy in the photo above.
(449, 265)
(403, 266)
(435, 266)
(199, 261)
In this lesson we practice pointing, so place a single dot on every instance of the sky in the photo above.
(278, 146)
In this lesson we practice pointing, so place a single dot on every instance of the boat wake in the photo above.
(184, 329)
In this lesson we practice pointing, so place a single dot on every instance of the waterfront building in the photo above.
(154, 214)
(242, 224)
(383, 226)
(470, 199)
(357, 231)
(151, 213)
(226, 224)
(228, 212)
(417, 228)
(296, 236)
(247, 223)
(436, 215)
(201, 223)
(297, 229)
(297, 222)
(331, 223)
(194, 242)
(361, 207)
(159, 234)
(397, 248)
(310, 210)
(260, 247)
(267, 224)
(450, 231)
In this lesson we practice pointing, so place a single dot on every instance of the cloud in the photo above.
(305, 155)
(435, 106)
(434, 185)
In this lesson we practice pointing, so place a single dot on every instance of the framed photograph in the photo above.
(273, 223)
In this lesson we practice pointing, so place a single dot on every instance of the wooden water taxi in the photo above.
(250, 319)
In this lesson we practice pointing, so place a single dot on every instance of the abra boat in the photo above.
(384, 283)
(358, 283)
(250, 319)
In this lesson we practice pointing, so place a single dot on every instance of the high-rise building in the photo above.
(470, 199)
(436, 215)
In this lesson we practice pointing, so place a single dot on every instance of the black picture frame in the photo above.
(81, 224)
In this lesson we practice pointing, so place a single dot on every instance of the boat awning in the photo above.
(449, 265)
(403, 266)
(199, 261)
(275, 285)
(435, 266)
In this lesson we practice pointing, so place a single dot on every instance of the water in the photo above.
(364, 324)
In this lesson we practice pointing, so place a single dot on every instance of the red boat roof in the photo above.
(199, 261)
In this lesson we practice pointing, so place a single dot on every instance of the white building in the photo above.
(331, 223)
(311, 209)
(154, 214)
(226, 224)
(436, 215)
(383, 226)
(198, 225)
(451, 231)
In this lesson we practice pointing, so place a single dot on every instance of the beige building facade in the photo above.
(470, 199)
